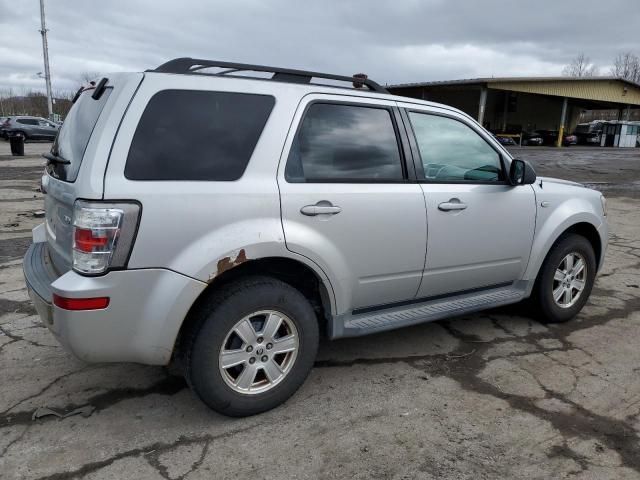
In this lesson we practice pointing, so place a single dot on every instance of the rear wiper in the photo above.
(51, 158)
(77, 95)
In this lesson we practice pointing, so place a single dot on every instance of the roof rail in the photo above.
(187, 65)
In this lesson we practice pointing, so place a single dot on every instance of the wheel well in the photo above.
(583, 229)
(295, 273)
(589, 232)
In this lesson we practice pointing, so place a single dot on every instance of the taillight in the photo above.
(103, 235)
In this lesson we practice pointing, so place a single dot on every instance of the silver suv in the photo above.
(30, 128)
(225, 223)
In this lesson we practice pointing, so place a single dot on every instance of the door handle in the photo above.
(453, 204)
(320, 208)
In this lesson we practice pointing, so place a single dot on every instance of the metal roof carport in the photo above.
(517, 104)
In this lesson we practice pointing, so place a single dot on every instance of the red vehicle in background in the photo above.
(550, 137)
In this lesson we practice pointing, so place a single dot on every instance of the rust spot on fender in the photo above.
(227, 263)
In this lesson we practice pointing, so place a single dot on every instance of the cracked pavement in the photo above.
(491, 395)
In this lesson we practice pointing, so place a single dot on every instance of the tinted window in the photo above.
(452, 151)
(27, 121)
(195, 135)
(74, 135)
(342, 143)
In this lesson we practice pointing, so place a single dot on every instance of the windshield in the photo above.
(74, 135)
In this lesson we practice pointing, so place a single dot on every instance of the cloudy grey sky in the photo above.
(393, 41)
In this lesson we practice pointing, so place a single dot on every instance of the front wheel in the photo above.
(566, 279)
(254, 345)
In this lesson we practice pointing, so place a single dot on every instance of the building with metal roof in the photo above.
(517, 104)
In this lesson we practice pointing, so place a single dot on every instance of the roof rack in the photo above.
(187, 65)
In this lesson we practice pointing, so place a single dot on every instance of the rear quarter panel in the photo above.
(90, 181)
(203, 228)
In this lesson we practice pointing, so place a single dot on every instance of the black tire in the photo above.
(543, 299)
(216, 317)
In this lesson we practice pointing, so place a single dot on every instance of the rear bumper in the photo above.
(39, 275)
(146, 309)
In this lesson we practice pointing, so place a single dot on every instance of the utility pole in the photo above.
(45, 52)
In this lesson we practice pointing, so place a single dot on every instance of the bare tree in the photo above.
(86, 77)
(627, 66)
(581, 66)
(25, 101)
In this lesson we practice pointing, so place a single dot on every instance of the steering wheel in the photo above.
(430, 167)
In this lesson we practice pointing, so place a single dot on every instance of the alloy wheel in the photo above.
(258, 352)
(569, 280)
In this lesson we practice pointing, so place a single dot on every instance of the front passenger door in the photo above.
(43, 129)
(49, 130)
(480, 228)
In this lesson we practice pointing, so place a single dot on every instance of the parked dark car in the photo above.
(532, 138)
(507, 141)
(4, 122)
(550, 137)
(588, 133)
(31, 128)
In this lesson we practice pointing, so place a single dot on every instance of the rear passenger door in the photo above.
(347, 202)
(29, 126)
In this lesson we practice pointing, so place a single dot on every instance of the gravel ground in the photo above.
(490, 395)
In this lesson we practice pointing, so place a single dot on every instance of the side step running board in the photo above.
(427, 311)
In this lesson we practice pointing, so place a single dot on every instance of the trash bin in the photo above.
(17, 145)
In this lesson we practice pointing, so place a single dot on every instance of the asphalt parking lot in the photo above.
(491, 395)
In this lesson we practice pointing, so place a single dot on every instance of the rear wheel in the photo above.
(566, 279)
(253, 346)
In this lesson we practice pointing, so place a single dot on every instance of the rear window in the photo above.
(27, 121)
(197, 135)
(75, 133)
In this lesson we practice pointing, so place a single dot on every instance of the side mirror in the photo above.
(521, 172)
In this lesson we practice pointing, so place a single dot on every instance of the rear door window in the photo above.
(197, 135)
(73, 137)
(345, 143)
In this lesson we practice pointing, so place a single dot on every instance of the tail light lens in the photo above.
(103, 235)
(94, 303)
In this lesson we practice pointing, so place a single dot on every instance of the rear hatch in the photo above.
(81, 152)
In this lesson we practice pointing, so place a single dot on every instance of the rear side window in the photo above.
(73, 137)
(345, 143)
(197, 135)
(27, 121)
